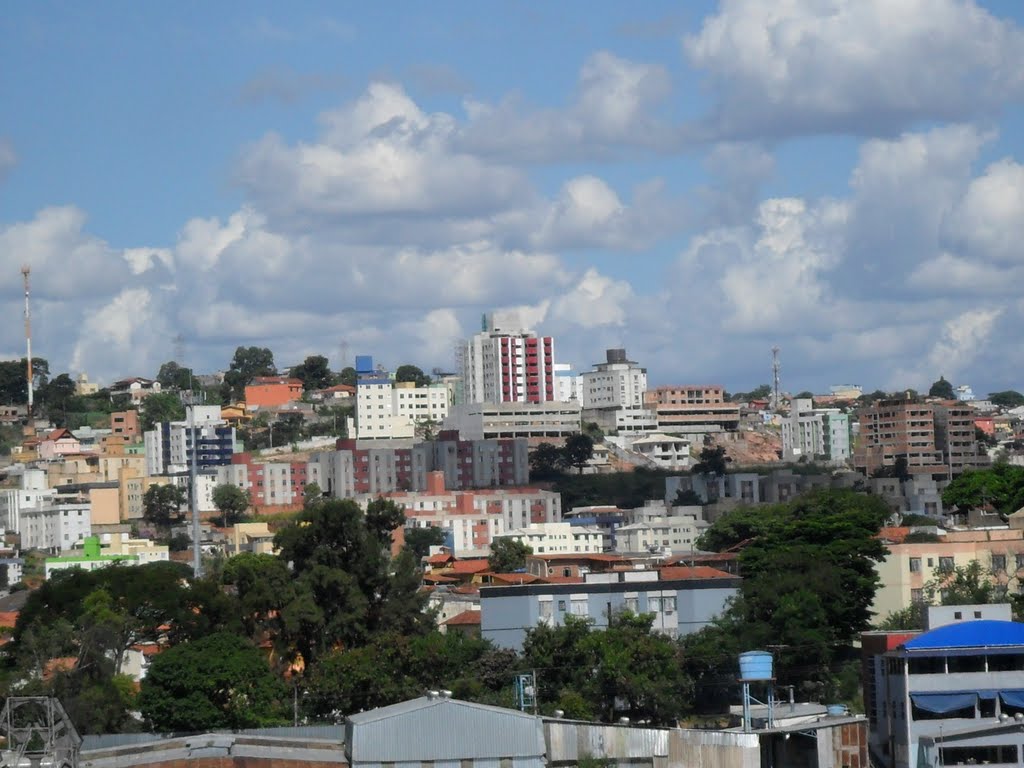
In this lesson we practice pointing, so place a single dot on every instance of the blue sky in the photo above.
(696, 181)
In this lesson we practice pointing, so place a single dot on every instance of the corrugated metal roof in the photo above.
(970, 634)
(433, 729)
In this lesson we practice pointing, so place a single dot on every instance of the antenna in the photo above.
(26, 270)
(776, 366)
(179, 348)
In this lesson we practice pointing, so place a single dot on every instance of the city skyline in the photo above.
(694, 184)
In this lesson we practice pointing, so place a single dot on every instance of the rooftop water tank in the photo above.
(756, 665)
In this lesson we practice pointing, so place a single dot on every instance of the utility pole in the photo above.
(26, 270)
(197, 565)
(775, 367)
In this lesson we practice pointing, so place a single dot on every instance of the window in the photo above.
(579, 607)
(915, 564)
(917, 596)
(998, 562)
(632, 604)
(946, 564)
(546, 611)
(561, 605)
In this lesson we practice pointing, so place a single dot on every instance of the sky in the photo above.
(694, 181)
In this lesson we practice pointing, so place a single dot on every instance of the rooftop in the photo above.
(970, 634)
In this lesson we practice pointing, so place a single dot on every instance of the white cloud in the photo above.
(615, 106)
(989, 220)
(788, 67)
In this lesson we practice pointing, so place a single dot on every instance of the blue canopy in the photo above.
(941, 703)
(1012, 698)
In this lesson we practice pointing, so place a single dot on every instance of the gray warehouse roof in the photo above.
(435, 728)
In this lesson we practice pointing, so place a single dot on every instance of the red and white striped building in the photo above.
(506, 363)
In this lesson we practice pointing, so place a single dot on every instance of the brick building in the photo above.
(692, 408)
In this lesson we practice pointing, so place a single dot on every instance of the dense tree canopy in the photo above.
(246, 365)
(578, 450)
(713, 461)
(943, 389)
(218, 681)
(163, 505)
(809, 580)
(412, 373)
(314, 372)
(174, 376)
(160, 407)
(508, 555)
(1000, 486)
(1009, 398)
(232, 502)
(13, 382)
(420, 540)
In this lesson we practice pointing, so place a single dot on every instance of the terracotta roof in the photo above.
(466, 618)
(147, 649)
(468, 566)
(676, 572)
(440, 558)
(437, 578)
(894, 535)
(595, 556)
(57, 434)
(8, 618)
(59, 664)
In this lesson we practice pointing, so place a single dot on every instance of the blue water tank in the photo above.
(756, 665)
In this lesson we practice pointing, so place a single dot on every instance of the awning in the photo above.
(941, 703)
(1012, 698)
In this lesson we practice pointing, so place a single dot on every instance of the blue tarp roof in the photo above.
(970, 634)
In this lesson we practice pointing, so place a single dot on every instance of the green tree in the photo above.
(264, 588)
(347, 585)
(420, 540)
(219, 681)
(713, 461)
(1009, 398)
(314, 372)
(578, 450)
(232, 502)
(413, 374)
(162, 505)
(1001, 486)
(508, 555)
(347, 376)
(628, 669)
(545, 461)
(13, 386)
(943, 389)
(909, 618)
(967, 584)
(173, 376)
(805, 395)
(160, 407)
(687, 498)
(57, 396)
(246, 365)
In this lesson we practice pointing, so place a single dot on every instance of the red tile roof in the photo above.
(440, 558)
(438, 578)
(513, 578)
(468, 566)
(674, 572)
(466, 618)
(894, 535)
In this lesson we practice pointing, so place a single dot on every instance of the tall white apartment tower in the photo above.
(507, 363)
(616, 383)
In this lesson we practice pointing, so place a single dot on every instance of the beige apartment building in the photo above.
(909, 567)
(692, 408)
(934, 438)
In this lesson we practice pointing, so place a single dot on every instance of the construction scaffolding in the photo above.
(37, 733)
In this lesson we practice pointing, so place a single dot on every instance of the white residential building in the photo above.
(616, 383)
(55, 527)
(388, 410)
(33, 492)
(667, 451)
(507, 362)
(821, 434)
(169, 446)
(559, 538)
(675, 533)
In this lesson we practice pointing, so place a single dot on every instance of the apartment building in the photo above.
(815, 434)
(387, 410)
(559, 538)
(682, 600)
(473, 517)
(538, 422)
(692, 408)
(359, 467)
(169, 446)
(55, 526)
(125, 424)
(908, 567)
(507, 363)
(616, 383)
(933, 438)
(269, 483)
